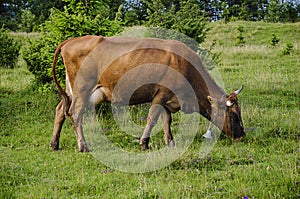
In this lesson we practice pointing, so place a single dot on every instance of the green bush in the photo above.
(288, 49)
(274, 41)
(27, 22)
(187, 20)
(77, 19)
(9, 50)
(240, 39)
(38, 56)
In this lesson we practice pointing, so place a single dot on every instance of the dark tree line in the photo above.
(14, 13)
(27, 15)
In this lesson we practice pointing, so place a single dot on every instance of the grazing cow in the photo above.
(132, 71)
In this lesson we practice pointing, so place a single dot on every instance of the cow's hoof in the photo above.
(84, 149)
(171, 144)
(144, 144)
(54, 146)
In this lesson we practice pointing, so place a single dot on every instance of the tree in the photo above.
(188, 19)
(225, 12)
(11, 11)
(289, 12)
(27, 21)
(41, 8)
(274, 11)
(134, 12)
(283, 11)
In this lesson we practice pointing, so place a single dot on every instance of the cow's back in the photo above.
(139, 68)
(107, 59)
(75, 51)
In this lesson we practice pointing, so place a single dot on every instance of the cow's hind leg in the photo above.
(167, 119)
(79, 104)
(58, 122)
(76, 113)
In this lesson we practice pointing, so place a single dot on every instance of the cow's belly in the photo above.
(133, 95)
(141, 95)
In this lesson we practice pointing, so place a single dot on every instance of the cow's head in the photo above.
(226, 114)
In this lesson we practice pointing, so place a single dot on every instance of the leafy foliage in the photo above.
(27, 23)
(9, 49)
(11, 12)
(186, 19)
(288, 49)
(240, 38)
(77, 19)
(135, 11)
(280, 11)
(38, 55)
(274, 40)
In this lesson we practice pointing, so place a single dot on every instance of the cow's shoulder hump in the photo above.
(81, 46)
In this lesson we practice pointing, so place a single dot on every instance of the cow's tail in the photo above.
(66, 100)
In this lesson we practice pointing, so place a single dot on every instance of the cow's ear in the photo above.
(213, 101)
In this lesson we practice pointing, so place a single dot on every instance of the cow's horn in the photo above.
(239, 90)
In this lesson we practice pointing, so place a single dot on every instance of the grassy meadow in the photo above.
(265, 165)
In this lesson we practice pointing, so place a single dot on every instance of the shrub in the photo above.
(9, 50)
(288, 49)
(188, 20)
(77, 19)
(27, 22)
(240, 38)
(38, 56)
(274, 40)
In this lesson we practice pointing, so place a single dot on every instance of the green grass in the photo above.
(265, 165)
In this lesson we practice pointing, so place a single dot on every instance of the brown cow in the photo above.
(129, 71)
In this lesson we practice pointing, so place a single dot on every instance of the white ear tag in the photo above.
(229, 103)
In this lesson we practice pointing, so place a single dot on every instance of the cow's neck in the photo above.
(212, 90)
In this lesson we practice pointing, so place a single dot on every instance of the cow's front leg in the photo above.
(153, 115)
(58, 122)
(167, 119)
